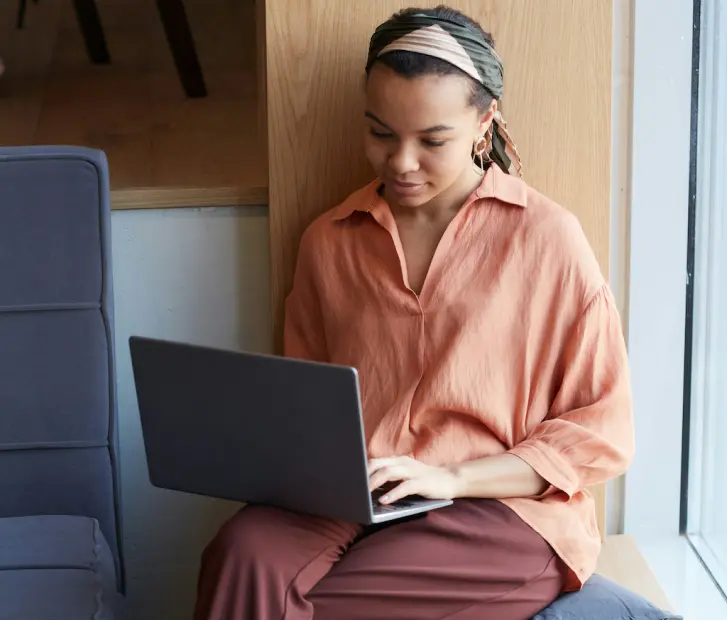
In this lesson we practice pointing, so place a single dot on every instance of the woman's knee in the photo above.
(258, 535)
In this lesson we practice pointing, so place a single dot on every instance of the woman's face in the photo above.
(420, 133)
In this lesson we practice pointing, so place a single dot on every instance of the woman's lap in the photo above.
(475, 559)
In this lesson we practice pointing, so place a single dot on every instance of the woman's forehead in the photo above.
(418, 102)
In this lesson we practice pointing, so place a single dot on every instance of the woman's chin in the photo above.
(410, 200)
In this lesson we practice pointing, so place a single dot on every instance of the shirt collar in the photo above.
(364, 200)
(503, 187)
(495, 184)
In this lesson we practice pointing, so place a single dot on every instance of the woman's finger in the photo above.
(388, 474)
(405, 489)
(375, 465)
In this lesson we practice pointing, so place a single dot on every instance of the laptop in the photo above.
(258, 429)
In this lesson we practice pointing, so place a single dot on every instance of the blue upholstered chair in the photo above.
(60, 531)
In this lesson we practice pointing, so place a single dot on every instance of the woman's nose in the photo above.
(403, 160)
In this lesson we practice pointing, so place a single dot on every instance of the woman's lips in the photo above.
(405, 188)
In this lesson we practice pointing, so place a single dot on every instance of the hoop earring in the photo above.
(480, 153)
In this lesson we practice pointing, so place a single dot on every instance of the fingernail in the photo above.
(384, 498)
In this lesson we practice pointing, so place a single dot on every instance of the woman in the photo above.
(492, 363)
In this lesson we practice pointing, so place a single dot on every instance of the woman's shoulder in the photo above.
(556, 237)
(542, 210)
(360, 200)
(538, 217)
(322, 233)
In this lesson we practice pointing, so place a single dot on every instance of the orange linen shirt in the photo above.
(513, 345)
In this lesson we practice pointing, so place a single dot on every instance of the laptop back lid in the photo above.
(252, 428)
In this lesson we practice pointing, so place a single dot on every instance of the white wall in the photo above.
(194, 275)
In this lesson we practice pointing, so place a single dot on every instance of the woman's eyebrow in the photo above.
(435, 129)
(377, 120)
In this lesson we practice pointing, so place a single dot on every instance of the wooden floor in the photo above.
(135, 109)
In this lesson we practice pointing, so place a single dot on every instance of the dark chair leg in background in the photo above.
(89, 21)
(22, 6)
(181, 43)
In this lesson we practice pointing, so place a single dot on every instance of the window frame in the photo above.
(707, 250)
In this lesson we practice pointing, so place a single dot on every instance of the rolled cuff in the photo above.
(547, 462)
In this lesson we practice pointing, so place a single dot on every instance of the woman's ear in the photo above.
(487, 118)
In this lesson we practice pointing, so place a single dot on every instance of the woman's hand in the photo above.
(492, 477)
(416, 478)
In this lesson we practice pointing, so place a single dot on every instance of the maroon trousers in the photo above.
(473, 560)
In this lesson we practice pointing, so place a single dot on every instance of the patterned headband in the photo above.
(462, 47)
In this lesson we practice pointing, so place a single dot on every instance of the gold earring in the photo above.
(480, 153)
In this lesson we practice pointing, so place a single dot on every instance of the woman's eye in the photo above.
(380, 134)
(434, 143)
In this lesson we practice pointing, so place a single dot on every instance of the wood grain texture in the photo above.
(599, 496)
(179, 197)
(262, 77)
(557, 102)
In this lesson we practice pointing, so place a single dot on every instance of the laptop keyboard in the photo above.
(380, 509)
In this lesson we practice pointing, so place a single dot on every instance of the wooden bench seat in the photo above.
(622, 562)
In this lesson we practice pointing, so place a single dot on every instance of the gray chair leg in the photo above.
(181, 43)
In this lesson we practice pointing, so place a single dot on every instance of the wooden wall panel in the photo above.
(557, 102)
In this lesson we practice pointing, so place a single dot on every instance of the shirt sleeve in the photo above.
(304, 331)
(588, 435)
